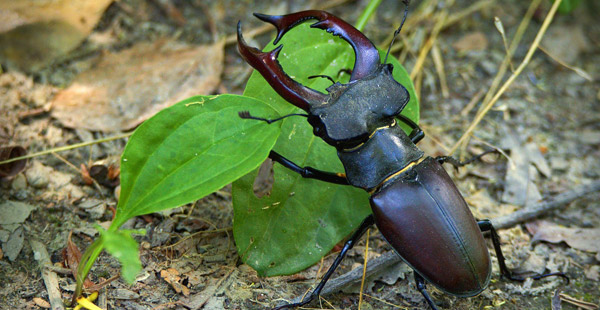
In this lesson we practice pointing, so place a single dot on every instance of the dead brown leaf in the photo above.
(41, 303)
(128, 87)
(171, 275)
(475, 41)
(72, 257)
(13, 168)
(585, 239)
(33, 32)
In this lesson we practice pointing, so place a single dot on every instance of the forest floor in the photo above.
(548, 122)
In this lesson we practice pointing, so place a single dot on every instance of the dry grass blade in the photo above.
(67, 148)
(500, 27)
(438, 61)
(512, 78)
(418, 16)
(428, 45)
(578, 303)
(577, 70)
(364, 275)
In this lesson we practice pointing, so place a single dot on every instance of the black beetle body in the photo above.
(424, 217)
(415, 204)
(354, 111)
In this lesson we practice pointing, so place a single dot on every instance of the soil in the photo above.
(550, 115)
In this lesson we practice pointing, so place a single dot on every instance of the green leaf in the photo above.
(122, 246)
(85, 264)
(567, 6)
(190, 150)
(302, 219)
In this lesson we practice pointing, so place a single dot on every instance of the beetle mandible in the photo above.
(416, 206)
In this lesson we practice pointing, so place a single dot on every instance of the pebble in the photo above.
(38, 175)
(19, 182)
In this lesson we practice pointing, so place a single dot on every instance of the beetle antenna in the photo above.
(406, 3)
(246, 115)
(322, 76)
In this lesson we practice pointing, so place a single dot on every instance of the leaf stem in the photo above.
(367, 13)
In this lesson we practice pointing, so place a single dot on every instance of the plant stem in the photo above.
(67, 147)
(367, 13)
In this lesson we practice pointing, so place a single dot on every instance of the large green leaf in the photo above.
(190, 150)
(302, 219)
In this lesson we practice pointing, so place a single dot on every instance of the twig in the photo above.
(50, 278)
(374, 266)
(390, 258)
(60, 270)
(540, 208)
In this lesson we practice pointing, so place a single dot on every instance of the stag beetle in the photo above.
(415, 204)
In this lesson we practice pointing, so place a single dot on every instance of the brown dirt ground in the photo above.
(548, 105)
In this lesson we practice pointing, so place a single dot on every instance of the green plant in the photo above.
(199, 145)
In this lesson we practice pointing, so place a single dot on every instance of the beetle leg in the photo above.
(266, 63)
(367, 56)
(423, 289)
(309, 172)
(457, 163)
(486, 225)
(366, 223)
(417, 133)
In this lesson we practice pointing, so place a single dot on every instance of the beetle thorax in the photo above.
(355, 110)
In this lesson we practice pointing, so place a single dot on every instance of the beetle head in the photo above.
(349, 113)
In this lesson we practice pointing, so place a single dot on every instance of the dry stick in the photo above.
(512, 78)
(50, 278)
(545, 206)
(388, 259)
